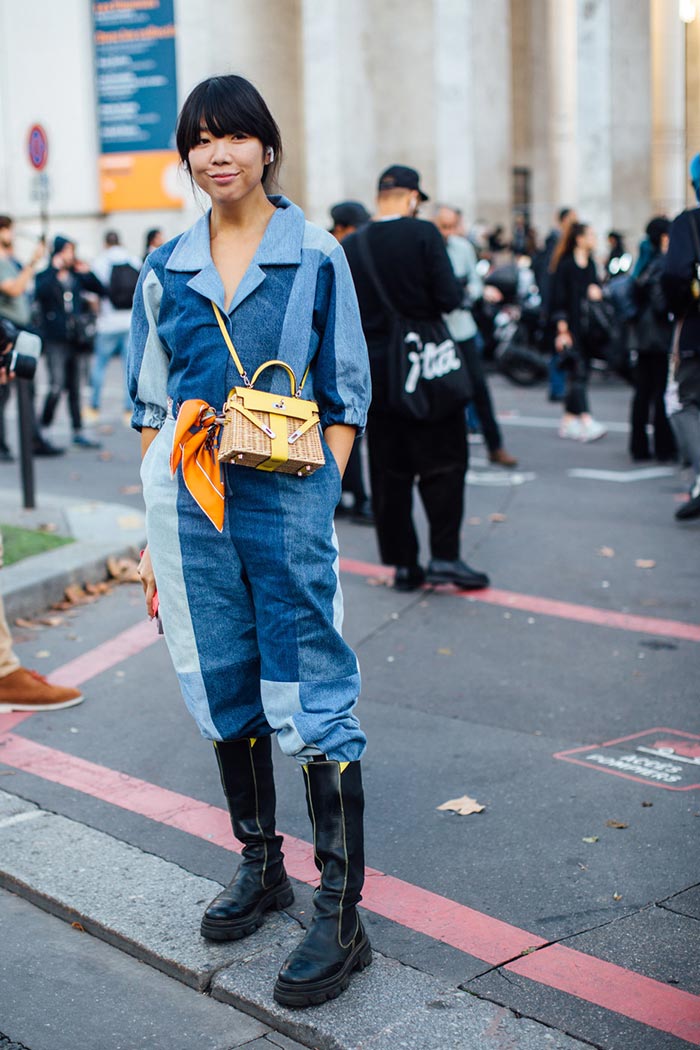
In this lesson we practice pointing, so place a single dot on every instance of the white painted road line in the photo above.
(622, 476)
(551, 422)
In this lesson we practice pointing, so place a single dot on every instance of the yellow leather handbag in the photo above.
(266, 431)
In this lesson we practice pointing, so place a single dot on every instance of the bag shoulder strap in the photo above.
(237, 361)
(369, 264)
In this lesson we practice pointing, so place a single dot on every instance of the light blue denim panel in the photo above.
(162, 528)
(147, 362)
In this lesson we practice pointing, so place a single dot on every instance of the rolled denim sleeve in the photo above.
(148, 361)
(341, 373)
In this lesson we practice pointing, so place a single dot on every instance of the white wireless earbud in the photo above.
(270, 154)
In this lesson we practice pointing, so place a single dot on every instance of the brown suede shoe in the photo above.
(25, 690)
(503, 458)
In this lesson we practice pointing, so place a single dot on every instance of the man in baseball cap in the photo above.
(398, 177)
(347, 217)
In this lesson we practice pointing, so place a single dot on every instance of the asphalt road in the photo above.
(473, 698)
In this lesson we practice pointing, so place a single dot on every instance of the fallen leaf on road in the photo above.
(27, 624)
(75, 594)
(130, 490)
(105, 456)
(47, 526)
(51, 621)
(497, 517)
(606, 552)
(473, 521)
(617, 896)
(77, 926)
(445, 652)
(123, 570)
(615, 824)
(590, 838)
(645, 563)
(464, 806)
(97, 588)
(43, 654)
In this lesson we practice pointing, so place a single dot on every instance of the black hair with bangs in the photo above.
(226, 105)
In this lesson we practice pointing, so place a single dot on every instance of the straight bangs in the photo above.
(227, 105)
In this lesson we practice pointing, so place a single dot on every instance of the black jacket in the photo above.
(677, 278)
(652, 330)
(53, 307)
(414, 268)
(569, 289)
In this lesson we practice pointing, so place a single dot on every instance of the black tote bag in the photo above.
(427, 377)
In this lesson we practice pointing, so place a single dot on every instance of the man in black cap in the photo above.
(410, 259)
(347, 217)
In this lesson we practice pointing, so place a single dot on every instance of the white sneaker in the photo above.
(570, 428)
(592, 430)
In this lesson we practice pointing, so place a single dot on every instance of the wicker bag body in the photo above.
(272, 432)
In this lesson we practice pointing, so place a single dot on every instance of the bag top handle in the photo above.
(241, 370)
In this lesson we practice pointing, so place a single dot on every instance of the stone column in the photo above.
(562, 77)
(490, 56)
(668, 175)
(455, 145)
(630, 107)
(692, 102)
(594, 116)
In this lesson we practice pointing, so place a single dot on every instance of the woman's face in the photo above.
(227, 168)
(586, 240)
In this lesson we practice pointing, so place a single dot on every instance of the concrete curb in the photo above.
(100, 531)
(151, 909)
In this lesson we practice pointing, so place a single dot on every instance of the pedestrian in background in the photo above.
(15, 306)
(347, 217)
(681, 282)
(67, 330)
(118, 272)
(575, 283)
(542, 266)
(154, 238)
(650, 337)
(462, 327)
(400, 261)
(247, 569)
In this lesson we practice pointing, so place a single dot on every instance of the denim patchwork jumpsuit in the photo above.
(252, 616)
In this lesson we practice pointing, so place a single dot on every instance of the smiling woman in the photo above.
(246, 560)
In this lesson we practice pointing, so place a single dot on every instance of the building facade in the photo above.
(503, 105)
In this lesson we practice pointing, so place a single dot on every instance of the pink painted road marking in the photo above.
(551, 607)
(613, 987)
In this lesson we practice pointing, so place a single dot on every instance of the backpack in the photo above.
(122, 285)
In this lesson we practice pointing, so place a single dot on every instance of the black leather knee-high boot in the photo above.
(261, 883)
(335, 943)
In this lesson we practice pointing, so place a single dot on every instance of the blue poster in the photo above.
(136, 76)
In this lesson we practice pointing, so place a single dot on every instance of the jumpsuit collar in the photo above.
(280, 246)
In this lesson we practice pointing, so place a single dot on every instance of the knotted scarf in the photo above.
(193, 446)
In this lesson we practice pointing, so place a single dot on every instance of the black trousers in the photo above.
(481, 397)
(650, 374)
(352, 478)
(63, 362)
(435, 455)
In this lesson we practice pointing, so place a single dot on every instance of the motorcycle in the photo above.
(511, 326)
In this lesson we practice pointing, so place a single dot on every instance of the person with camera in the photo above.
(68, 330)
(20, 688)
(15, 308)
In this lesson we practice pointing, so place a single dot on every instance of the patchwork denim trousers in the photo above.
(252, 616)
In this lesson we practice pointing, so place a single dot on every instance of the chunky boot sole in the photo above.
(315, 992)
(234, 929)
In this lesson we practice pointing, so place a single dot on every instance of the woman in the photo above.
(574, 283)
(651, 334)
(252, 608)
